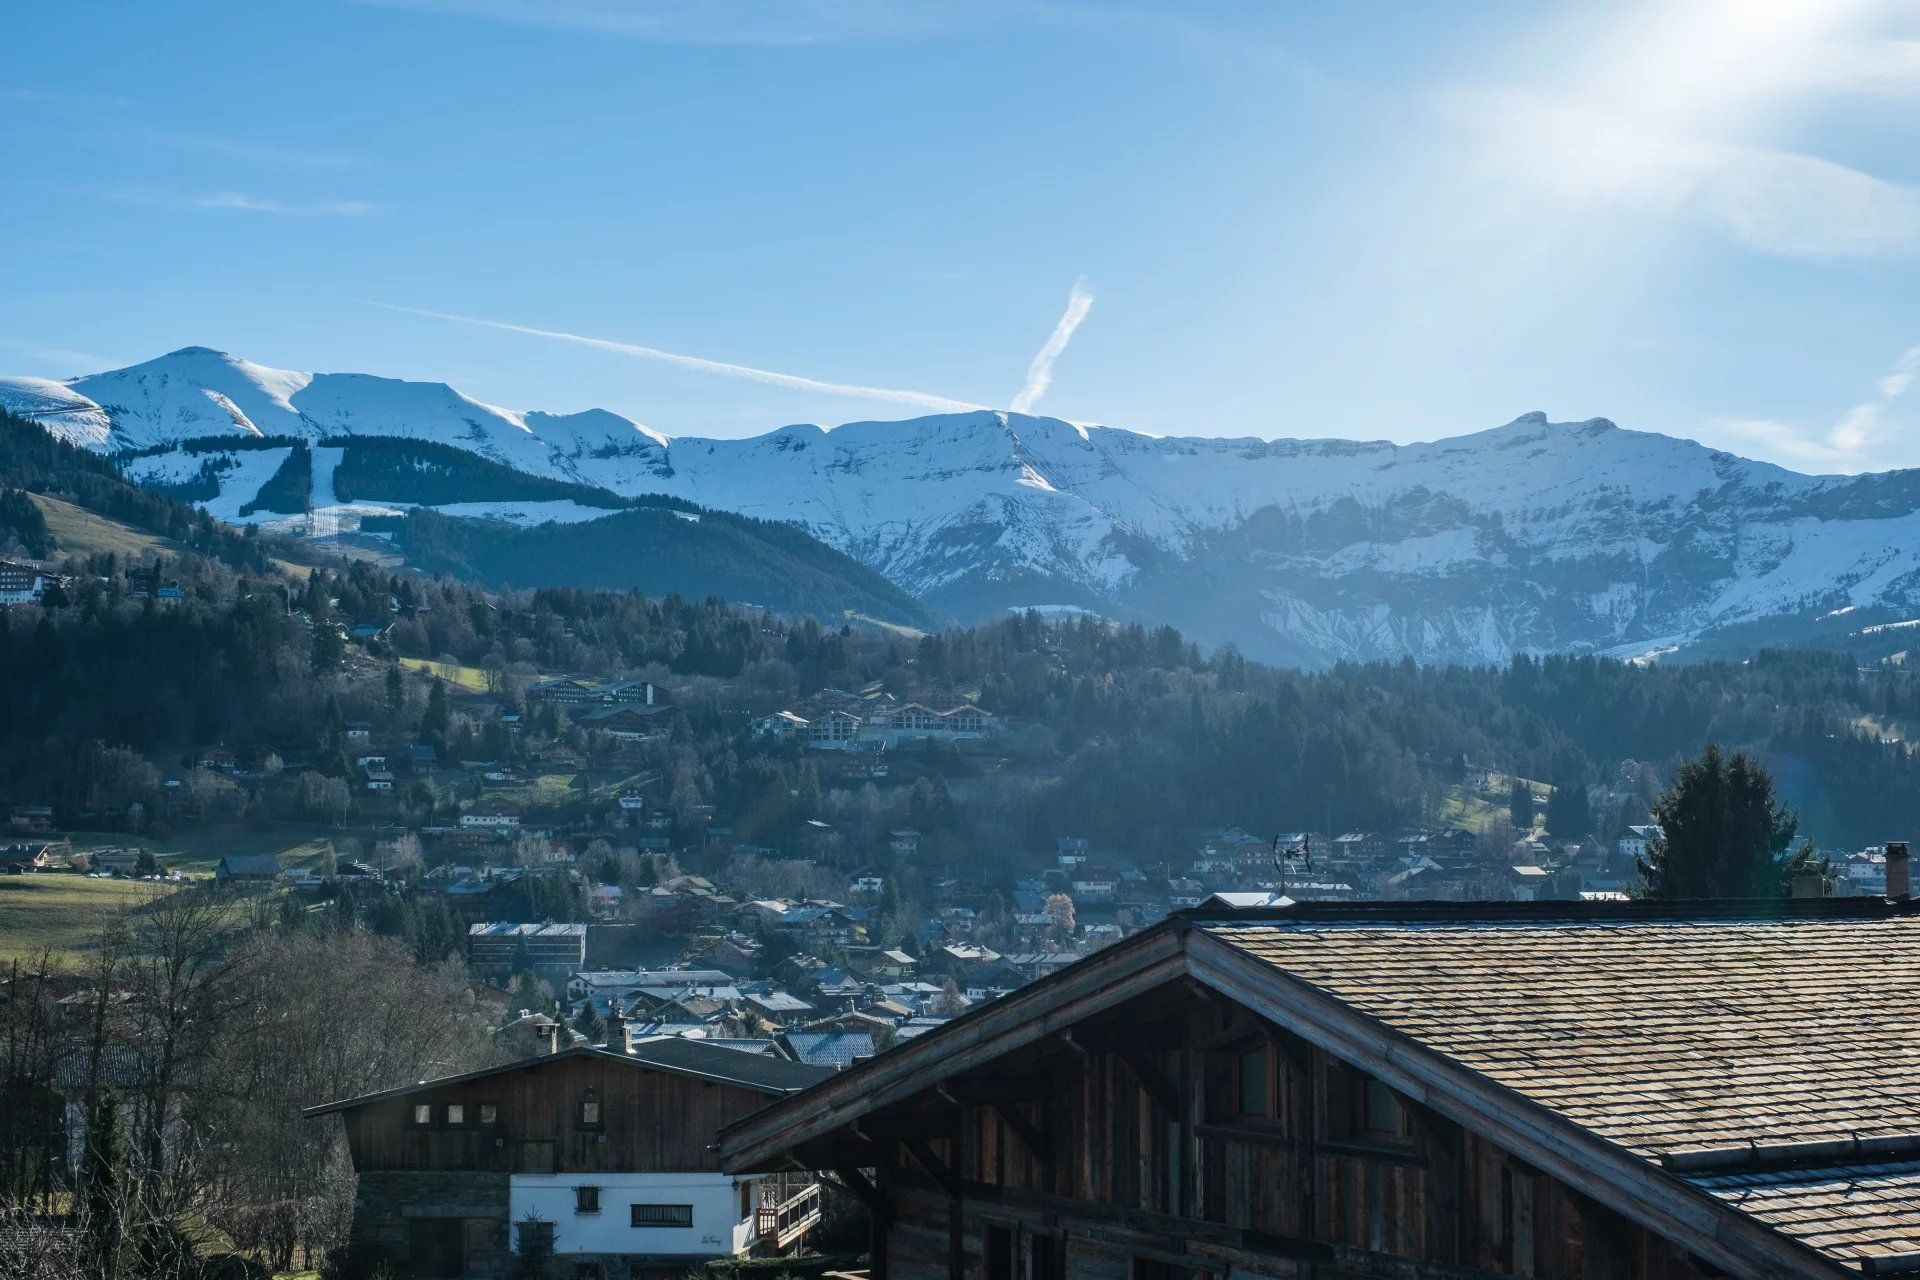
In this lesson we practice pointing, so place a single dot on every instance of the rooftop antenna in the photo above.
(1283, 854)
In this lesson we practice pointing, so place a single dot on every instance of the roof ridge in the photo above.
(1759, 909)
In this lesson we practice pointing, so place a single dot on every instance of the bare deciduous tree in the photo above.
(314, 1019)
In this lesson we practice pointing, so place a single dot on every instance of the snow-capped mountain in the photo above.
(1533, 536)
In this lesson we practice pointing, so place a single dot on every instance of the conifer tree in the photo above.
(1569, 814)
(1520, 805)
(1723, 834)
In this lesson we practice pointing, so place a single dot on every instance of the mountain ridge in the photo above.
(1530, 536)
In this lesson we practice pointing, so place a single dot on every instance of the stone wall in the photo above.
(384, 1203)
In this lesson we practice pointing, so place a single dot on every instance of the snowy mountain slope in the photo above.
(1528, 537)
(67, 414)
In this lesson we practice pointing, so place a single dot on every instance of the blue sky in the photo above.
(1393, 219)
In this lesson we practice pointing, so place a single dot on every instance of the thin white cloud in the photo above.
(916, 399)
(1775, 202)
(1849, 444)
(1880, 68)
(244, 150)
(241, 202)
(255, 204)
(1693, 113)
(1040, 372)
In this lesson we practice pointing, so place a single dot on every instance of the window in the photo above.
(422, 1114)
(534, 1235)
(586, 1199)
(456, 1113)
(1366, 1112)
(746, 1199)
(590, 1114)
(1254, 1072)
(489, 1114)
(1377, 1113)
(662, 1215)
(999, 1253)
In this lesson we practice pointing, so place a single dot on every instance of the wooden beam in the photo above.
(924, 1156)
(838, 1153)
(865, 1192)
(993, 1090)
(1069, 1214)
(1297, 1052)
(1027, 1131)
(920, 1124)
(1437, 1129)
(1135, 1037)
(1035, 1013)
(1151, 1083)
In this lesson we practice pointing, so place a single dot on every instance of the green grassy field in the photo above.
(61, 913)
(196, 852)
(79, 531)
(1464, 807)
(472, 679)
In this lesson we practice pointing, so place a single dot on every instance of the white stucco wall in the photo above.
(718, 1228)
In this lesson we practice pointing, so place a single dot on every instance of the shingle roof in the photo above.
(718, 1062)
(1761, 1056)
(1853, 1212)
(829, 1048)
(673, 1054)
(1662, 1035)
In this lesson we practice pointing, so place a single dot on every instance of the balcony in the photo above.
(781, 1221)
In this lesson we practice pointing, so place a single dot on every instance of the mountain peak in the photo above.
(195, 351)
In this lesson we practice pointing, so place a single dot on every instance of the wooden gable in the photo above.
(647, 1120)
(1408, 1124)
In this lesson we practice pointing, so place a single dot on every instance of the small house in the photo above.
(602, 1156)
(247, 868)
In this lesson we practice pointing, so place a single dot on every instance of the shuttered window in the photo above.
(662, 1215)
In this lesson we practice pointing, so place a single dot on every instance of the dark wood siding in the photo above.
(1195, 1191)
(650, 1120)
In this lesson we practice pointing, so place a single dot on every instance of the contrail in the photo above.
(1040, 372)
(919, 399)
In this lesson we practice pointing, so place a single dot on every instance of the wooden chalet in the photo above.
(24, 856)
(1577, 1091)
(604, 1156)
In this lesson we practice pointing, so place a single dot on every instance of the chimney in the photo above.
(1899, 872)
(549, 1034)
(617, 1039)
(1813, 885)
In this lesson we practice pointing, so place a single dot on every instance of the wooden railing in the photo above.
(782, 1221)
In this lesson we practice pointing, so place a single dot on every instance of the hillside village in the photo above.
(577, 875)
(559, 932)
(895, 773)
